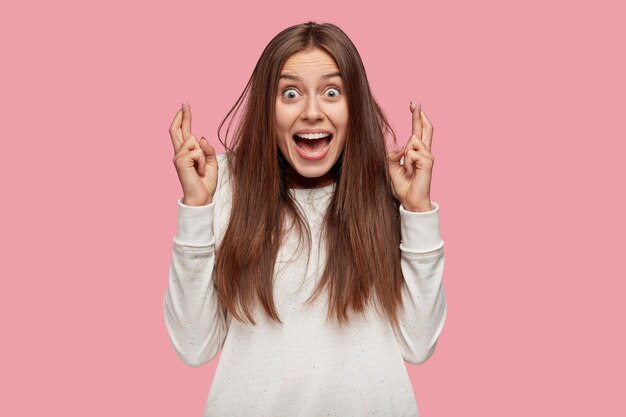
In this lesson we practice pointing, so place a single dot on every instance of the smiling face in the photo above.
(311, 117)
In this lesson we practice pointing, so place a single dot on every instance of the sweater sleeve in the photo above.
(422, 263)
(193, 315)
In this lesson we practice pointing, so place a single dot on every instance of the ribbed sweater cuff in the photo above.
(195, 225)
(420, 230)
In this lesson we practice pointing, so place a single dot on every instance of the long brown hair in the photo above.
(361, 226)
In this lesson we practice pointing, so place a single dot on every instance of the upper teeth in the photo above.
(313, 135)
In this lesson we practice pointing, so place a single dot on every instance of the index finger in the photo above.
(417, 120)
(186, 126)
(175, 132)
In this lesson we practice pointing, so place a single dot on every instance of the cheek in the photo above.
(345, 116)
(285, 116)
(339, 115)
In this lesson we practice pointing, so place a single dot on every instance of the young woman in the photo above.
(308, 255)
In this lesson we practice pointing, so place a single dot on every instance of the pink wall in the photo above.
(529, 163)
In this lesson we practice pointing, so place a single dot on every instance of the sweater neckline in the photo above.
(309, 194)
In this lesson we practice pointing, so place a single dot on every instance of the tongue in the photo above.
(311, 145)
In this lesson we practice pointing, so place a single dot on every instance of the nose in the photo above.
(312, 111)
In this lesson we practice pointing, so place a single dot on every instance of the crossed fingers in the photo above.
(180, 129)
(417, 149)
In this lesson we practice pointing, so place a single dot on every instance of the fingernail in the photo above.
(419, 107)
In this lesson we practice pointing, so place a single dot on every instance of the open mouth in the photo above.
(313, 143)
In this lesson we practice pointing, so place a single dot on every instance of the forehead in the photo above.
(310, 61)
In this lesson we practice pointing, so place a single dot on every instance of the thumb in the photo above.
(209, 155)
(395, 156)
(208, 150)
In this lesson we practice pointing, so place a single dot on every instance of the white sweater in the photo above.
(306, 367)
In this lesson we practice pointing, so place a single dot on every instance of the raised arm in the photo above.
(422, 262)
(193, 315)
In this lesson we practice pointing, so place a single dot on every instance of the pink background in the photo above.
(529, 166)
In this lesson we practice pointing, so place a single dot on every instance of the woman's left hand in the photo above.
(411, 180)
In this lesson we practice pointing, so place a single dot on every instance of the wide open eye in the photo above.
(290, 93)
(333, 92)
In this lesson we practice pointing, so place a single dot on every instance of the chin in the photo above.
(313, 172)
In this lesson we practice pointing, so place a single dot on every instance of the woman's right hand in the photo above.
(195, 161)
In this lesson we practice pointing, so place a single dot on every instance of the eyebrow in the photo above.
(296, 78)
